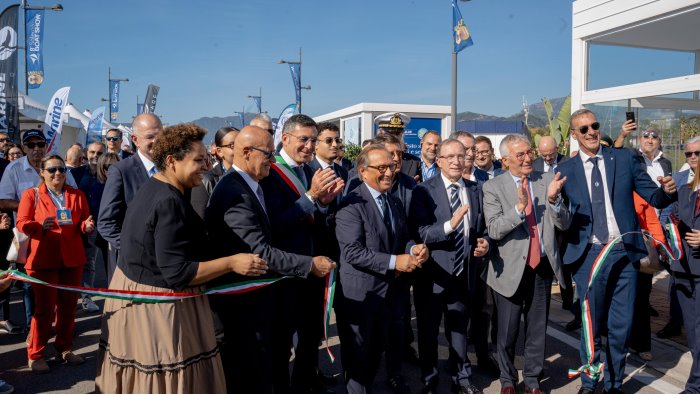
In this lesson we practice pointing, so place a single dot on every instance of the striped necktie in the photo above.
(455, 203)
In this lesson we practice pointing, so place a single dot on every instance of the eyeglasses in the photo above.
(52, 170)
(113, 138)
(4, 139)
(230, 146)
(650, 134)
(329, 141)
(382, 169)
(304, 139)
(32, 145)
(584, 129)
(268, 155)
(693, 153)
(459, 158)
(521, 156)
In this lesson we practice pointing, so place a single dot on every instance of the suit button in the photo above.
(524, 257)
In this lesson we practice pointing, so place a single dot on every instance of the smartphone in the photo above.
(629, 115)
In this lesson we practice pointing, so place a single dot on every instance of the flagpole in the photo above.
(453, 112)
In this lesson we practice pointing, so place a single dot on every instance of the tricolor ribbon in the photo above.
(328, 308)
(674, 251)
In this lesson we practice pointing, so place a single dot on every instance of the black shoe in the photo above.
(7, 327)
(586, 390)
(488, 365)
(668, 331)
(410, 355)
(573, 325)
(613, 391)
(398, 385)
(466, 389)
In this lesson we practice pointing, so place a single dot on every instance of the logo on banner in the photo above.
(8, 42)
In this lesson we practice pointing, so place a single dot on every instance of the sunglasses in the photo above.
(32, 145)
(52, 170)
(4, 139)
(693, 153)
(584, 129)
(268, 155)
(329, 140)
(113, 138)
(650, 134)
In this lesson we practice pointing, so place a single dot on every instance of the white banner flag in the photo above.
(53, 121)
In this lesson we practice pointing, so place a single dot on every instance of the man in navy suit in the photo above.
(375, 250)
(471, 172)
(123, 181)
(446, 211)
(484, 158)
(237, 219)
(598, 191)
(549, 156)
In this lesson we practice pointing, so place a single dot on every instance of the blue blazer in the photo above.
(123, 181)
(681, 178)
(688, 220)
(624, 174)
(430, 209)
(365, 250)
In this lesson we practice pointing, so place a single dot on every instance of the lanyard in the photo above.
(57, 199)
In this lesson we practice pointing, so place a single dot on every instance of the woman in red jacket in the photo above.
(54, 215)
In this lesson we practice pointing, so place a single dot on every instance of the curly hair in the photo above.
(176, 141)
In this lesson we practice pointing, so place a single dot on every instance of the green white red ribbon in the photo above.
(674, 251)
(328, 308)
(147, 296)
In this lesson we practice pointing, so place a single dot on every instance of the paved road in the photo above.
(669, 368)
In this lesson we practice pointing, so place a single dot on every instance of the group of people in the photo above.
(478, 241)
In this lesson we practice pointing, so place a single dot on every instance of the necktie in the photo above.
(261, 197)
(387, 218)
(534, 252)
(152, 171)
(600, 220)
(455, 203)
(299, 170)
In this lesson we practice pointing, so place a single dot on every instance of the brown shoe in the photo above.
(71, 358)
(39, 366)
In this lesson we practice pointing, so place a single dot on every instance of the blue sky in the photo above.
(208, 56)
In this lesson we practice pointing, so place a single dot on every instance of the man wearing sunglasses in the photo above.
(113, 140)
(19, 176)
(650, 147)
(598, 191)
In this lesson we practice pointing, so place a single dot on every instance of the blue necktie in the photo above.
(455, 203)
(600, 219)
(300, 174)
(152, 171)
(387, 218)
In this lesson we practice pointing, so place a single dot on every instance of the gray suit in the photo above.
(520, 289)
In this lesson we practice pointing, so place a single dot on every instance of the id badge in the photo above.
(63, 217)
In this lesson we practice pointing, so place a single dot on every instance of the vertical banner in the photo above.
(53, 123)
(34, 24)
(149, 105)
(242, 116)
(114, 98)
(257, 103)
(460, 34)
(94, 129)
(296, 78)
(139, 108)
(286, 114)
(9, 109)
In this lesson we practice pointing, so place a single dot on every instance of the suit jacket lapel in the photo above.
(609, 161)
(375, 216)
(579, 179)
(250, 191)
(473, 205)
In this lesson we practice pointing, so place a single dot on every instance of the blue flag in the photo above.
(257, 103)
(34, 24)
(296, 78)
(114, 98)
(94, 128)
(460, 35)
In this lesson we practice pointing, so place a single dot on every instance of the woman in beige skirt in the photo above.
(166, 347)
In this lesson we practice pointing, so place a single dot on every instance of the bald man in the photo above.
(124, 180)
(237, 218)
(74, 157)
(549, 156)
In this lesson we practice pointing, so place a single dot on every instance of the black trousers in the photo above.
(687, 289)
(531, 299)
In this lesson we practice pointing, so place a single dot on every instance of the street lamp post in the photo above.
(25, 7)
(109, 82)
(259, 97)
(307, 87)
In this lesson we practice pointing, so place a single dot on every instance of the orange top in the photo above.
(61, 246)
(648, 219)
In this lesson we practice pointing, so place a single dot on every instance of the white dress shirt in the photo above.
(613, 229)
(375, 196)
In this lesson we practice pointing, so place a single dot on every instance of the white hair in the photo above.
(509, 139)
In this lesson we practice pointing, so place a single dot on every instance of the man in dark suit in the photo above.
(598, 190)
(375, 249)
(484, 158)
(471, 172)
(446, 212)
(297, 200)
(549, 156)
(395, 123)
(123, 181)
(522, 209)
(237, 219)
(113, 140)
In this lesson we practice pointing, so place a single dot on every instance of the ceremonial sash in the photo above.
(290, 178)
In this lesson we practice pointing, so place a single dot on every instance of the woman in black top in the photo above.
(223, 139)
(166, 347)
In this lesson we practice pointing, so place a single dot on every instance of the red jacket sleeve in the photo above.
(26, 214)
